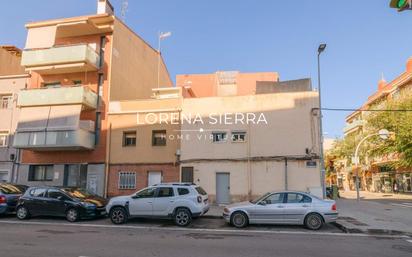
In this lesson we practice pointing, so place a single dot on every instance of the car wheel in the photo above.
(239, 219)
(72, 215)
(313, 221)
(118, 215)
(22, 213)
(182, 217)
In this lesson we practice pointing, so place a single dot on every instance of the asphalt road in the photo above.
(57, 238)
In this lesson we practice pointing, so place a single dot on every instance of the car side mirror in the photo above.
(60, 198)
(136, 196)
(263, 203)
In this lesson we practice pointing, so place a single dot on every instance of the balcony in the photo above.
(353, 126)
(61, 59)
(54, 140)
(58, 96)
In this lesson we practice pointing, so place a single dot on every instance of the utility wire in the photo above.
(369, 110)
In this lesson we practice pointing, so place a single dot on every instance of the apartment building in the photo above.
(12, 79)
(378, 176)
(77, 66)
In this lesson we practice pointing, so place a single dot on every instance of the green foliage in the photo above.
(399, 122)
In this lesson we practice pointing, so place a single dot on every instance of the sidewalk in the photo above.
(375, 213)
(370, 196)
(215, 212)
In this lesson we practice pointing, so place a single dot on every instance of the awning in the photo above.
(64, 117)
(50, 118)
(33, 118)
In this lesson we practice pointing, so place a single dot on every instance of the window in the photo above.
(182, 191)
(3, 139)
(187, 174)
(38, 192)
(165, 192)
(6, 101)
(146, 193)
(77, 82)
(238, 136)
(159, 137)
(274, 199)
(127, 180)
(41, 173)
(129, 138)
(56, 194)
(297, 198)
(201, 191)
(52, 84)
(4, 177)
(219, 136)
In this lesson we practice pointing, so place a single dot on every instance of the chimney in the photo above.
(104, 6)
(409, 65)
(382, 83)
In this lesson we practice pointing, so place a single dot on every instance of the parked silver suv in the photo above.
(179, 201)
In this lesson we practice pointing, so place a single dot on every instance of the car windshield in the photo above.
(78, 193)
(9, 189)
(255, 201)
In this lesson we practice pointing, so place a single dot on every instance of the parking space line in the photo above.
(405, 205)
(177, 229)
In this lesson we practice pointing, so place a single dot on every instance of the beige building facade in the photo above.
(244, 146)
(12, 80)
(143, 144)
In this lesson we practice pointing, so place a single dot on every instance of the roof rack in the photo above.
(175, 184)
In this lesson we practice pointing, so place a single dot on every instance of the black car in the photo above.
(9, 195)
(72, 203)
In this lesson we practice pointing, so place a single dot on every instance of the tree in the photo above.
(399, 122)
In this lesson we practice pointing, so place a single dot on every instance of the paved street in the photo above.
(198, 224)
(83, 239)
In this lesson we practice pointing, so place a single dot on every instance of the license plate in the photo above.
(103, 213)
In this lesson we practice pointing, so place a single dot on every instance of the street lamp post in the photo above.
(321, 48)
(383, 134)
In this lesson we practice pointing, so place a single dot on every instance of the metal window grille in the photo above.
(127, 180)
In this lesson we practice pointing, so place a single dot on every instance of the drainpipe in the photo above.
(249, 168)
(106, 175)
(286, 173)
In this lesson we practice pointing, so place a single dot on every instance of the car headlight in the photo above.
(88, 205)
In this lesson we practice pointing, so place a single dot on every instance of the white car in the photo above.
(288, 207)
(178, 201)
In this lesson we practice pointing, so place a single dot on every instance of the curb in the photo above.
(376, 232)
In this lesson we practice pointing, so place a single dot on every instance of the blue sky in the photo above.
(365, 38)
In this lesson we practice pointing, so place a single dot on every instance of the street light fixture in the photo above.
(321, 48)
(384, 134)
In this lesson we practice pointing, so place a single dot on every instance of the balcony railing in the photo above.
(353, 125)
(58, 96)
(61, 59)
(54, 140)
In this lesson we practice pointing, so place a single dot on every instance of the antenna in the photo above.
(125, 5)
